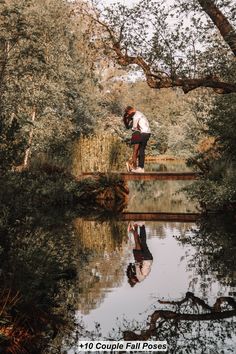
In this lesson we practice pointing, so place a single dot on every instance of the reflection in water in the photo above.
(170, 278)
(162, 196)
(41, 296)
(215, 245)
(138, 271)
(164, 166)
(191, 325)
(37, 278)
(102, 258)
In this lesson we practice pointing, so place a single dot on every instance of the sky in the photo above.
(126, 2)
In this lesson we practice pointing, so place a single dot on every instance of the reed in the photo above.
(99, 153)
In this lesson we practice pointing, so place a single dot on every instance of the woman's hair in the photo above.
(128, 116)
(131, 275)
(129, 109)
(127, 120)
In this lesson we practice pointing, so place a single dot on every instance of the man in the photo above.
(139, 123)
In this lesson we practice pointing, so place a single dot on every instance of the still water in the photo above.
(71, 274)
(197, 258)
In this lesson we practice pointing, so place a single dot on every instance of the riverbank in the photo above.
(41, 189)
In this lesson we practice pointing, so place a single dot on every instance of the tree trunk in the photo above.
(28, 150)
(4, 61)
(224, 26)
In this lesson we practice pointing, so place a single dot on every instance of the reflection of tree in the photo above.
(162, 229)
(38, 271)
(97, 237)
(175, 166)
(158, 196)
(192, 325)
(215, 245)
(102, 248)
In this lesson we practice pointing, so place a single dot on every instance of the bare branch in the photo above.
(215, 313)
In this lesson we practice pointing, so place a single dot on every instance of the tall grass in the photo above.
(99, 153)
(110, 237)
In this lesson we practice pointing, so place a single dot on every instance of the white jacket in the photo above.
(140, 121)
(142, 273)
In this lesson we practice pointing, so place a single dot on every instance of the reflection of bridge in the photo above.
(155, 216)
(147, 176)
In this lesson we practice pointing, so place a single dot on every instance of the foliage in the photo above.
(39, 254)
(22, 192)
(214, 242)
(176, 43)
(47, 83)
(171, 114)
(38, 271)
(217, 190)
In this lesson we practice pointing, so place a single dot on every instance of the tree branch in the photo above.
(222, 23)
(214, 313)
(157, 79)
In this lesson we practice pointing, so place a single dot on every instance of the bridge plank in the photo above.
(151, 175)
(160, 216)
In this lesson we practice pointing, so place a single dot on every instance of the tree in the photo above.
(187, 44)
(46, 78)
(217, 190)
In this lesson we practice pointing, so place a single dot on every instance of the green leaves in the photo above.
(46, 67)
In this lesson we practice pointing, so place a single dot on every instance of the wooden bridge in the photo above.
(160, 216)
(155, 216)
(150, 176)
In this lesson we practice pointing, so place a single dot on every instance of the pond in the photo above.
(187, 257)
(107, 298)
(167, 165)
(72, 274)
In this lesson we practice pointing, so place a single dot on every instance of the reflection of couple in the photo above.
(138, 271)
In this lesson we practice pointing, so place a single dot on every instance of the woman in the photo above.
(128, 121)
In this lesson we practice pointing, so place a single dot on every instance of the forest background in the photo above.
(68, 69)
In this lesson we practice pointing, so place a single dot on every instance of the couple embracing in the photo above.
(140, 135)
